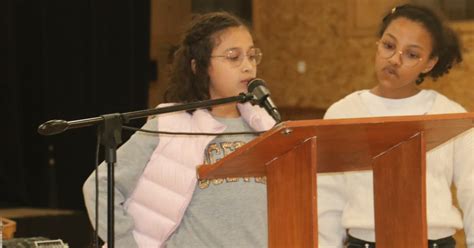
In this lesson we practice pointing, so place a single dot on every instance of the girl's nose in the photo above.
(247, 65)
(396, 58)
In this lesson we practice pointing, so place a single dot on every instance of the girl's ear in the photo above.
(193, 65)
(431, 63)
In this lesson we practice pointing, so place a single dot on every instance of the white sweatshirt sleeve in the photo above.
(331, 200)
(464, 181)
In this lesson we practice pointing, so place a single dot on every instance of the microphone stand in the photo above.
(110, 131)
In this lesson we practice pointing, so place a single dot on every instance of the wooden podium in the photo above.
(291, 154)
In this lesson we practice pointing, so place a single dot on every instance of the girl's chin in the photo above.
(387, 83)
(395, 83)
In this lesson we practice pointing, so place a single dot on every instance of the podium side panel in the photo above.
(291, 190)
(400, 195)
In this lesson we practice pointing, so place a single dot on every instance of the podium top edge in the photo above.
(377, 120)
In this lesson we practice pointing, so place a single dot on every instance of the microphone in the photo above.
(262, 97)
(53, 127)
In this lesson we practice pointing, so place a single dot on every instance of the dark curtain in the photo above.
(66, 60)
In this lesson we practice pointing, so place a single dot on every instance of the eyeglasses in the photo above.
(386, 49)
(236, 56)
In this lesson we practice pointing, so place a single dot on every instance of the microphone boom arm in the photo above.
(58, 126)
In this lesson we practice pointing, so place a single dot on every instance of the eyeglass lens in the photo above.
(387, 49)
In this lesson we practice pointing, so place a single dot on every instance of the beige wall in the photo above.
(336, 40)
(167, 20)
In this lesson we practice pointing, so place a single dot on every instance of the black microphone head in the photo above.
(53, 127)
(259, 90)
(261, 95)
(254, 83)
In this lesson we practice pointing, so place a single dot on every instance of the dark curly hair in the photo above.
(197, 43)
(446, 45)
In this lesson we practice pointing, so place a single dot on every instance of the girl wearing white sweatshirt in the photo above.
(413, 44)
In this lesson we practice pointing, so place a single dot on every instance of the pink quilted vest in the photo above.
(166, 186)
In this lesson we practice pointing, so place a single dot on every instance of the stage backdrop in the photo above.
(65, 60)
